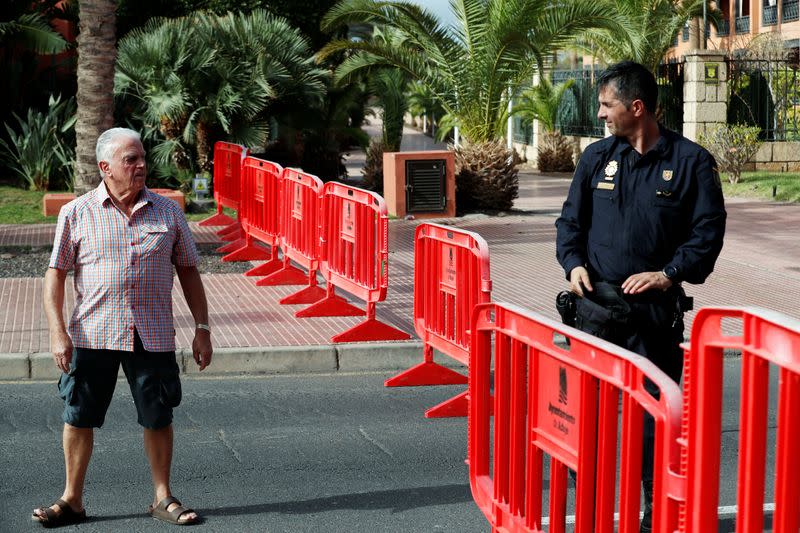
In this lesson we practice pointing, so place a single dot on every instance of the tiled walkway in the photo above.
(760, 265)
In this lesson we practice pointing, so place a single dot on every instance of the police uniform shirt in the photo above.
(628, 213)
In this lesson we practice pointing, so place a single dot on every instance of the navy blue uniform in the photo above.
(627, 213)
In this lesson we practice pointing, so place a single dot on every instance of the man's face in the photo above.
(127, 170)
(618, 117)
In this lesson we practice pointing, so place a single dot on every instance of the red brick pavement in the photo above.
(760, 265)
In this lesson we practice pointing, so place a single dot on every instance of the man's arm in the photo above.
(571, 230)
(195, 295)
(60, 342)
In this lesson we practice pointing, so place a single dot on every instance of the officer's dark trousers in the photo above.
(654, 336)
(652, 332)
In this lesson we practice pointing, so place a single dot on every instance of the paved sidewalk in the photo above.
(759, 266)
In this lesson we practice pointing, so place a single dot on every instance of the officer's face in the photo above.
(618, 117)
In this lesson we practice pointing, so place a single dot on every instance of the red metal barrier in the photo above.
(560, 399)
(259, 214)
(766, 338)
(298, 214)
(227, 167)
(354, 256)
(451, 276)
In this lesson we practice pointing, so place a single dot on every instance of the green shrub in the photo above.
(42, 152)
(732, 146)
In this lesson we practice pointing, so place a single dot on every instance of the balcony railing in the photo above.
(769, 15)
(724, 28)
(790, 11)
(743, 24)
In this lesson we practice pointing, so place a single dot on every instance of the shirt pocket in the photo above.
(603, 209)
(156, 240)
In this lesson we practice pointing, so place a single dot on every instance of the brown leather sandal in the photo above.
(159, 512)
(66, 517)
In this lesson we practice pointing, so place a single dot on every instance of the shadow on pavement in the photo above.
(398, 500)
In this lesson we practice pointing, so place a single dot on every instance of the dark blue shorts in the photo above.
(88, 388)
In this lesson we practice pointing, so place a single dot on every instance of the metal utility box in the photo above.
(426, 185)
(421, 184)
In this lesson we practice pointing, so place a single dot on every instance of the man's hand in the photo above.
(645, 281)
(578, 280)
(61, 347)
(201, 348)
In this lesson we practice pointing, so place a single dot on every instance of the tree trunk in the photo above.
(97, 53)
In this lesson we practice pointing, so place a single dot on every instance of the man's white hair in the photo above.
(109, 141)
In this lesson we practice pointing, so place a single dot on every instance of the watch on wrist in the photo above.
(202, 326)
(670, 272)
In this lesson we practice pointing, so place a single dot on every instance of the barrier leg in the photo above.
(331, 305)
(234, 235)
(231, 246)
(306, 295)
(249, 252)
(372, 329)
(455, 407)
(265, 269)
(235, 226)
(217, 219)
(286, 275)
(426, 373)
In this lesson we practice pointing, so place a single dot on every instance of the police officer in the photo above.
(644, 213)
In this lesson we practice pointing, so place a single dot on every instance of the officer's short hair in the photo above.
(632, 82)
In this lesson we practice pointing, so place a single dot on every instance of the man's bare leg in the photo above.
(78, 444)
(158, 446)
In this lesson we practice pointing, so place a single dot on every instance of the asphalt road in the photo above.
(285, 453)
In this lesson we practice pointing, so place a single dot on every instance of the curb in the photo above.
(320, 359)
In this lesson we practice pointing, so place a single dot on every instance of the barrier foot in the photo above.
(231, 246)
(426, 373)
(331, 305)
(265, 269)
(306, 295)
(455, 407)
(287, 275)
(371, 330)
(250, 252)
(234, 226)
(219, 219)
(235, 235)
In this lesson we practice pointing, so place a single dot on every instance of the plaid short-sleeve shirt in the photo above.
(123, 268)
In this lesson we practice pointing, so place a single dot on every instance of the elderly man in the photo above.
(122, 241)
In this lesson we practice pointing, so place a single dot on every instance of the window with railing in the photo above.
(743, 24)
(724, 28)
(685, 32)
(790, 10)
(769, 13)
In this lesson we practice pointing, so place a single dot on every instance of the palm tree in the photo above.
(497, 44)
(473, 69)
(423, 103)
(206, 77)
(96, 55)
(541, 102)
(31, 31)
(654, 25)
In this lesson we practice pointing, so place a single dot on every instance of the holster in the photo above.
(603, 312)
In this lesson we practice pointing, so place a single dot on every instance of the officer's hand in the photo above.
(61, 348)
(201, 348)
(578, 279)
(645, 281)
